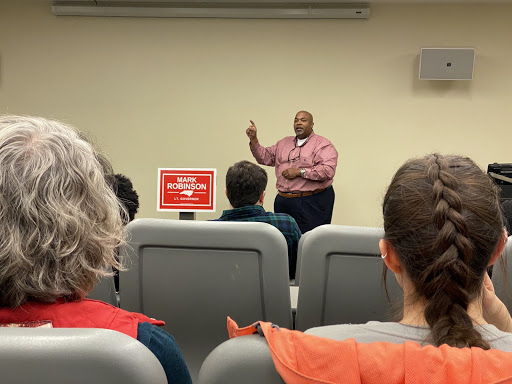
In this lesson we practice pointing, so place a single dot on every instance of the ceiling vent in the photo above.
(212, 9)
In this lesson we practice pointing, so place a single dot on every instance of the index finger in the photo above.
(252, 122)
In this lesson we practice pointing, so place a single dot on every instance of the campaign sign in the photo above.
(186, 189)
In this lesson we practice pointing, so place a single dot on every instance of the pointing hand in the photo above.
(252, 133)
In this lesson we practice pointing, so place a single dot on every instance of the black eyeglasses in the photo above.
(295, 158)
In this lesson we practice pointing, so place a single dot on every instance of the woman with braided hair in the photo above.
(443, 227)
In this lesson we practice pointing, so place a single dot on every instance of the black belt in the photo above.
(300, 194)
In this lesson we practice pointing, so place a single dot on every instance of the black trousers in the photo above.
(308, 211)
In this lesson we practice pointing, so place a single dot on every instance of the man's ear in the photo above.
(499, 248)
(389, 255)
(226, 192)
(262, 197)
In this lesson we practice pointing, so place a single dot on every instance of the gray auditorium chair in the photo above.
(340, 278)
(193, 274)
(105, 291)
(502, 285)
(296, 281)
(75, 355)
(244, 359)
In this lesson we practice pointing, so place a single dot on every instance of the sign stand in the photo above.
(187, 215)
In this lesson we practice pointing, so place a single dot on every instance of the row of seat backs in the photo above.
(105, 289)
(193, 274)
(247, 359)
(339, 275)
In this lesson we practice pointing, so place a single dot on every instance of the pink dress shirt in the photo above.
(317, 156)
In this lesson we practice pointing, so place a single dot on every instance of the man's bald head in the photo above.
(307, 113)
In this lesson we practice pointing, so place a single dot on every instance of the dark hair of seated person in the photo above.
(245, 182)
(443, 219)
(127, 195)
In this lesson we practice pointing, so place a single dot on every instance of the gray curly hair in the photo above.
(59, 219)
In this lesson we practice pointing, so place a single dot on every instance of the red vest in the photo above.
(78, 314)
(306, 359)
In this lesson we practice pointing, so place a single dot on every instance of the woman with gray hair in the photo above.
(59, 231)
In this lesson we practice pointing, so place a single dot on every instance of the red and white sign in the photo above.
(186, 189)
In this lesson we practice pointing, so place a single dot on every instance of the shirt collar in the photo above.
(255, 209)
(295, 139)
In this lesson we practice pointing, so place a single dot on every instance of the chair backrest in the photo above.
(78, 355)
(105, 291)
(503, 283)
(299, 258)
(243, 359)
(340, 278)
(193, 274)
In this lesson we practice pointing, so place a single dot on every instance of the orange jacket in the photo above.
(78, 314)
(301, 358)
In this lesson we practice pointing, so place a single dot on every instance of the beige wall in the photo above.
(179, 93)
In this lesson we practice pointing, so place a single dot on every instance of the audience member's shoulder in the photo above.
(164, 347)
(283, 215)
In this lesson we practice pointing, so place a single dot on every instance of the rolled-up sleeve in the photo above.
(264, 155)
(325, 162)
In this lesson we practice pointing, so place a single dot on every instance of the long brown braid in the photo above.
(443, 217)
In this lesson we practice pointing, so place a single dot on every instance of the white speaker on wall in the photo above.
(447, 63)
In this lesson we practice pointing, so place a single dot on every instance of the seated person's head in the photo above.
(245, 184)
(123, 188)
(59, 219)
(443, 226)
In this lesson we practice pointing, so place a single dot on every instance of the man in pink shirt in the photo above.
(305, 165)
